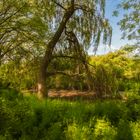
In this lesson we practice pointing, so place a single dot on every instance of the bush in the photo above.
(104, 130)
(135, 127)
(124, 131)
(15, 117)
(78, 132)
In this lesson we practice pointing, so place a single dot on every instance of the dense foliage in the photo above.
(114, 72)
(28, 118)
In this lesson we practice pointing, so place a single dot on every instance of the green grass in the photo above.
(26, 118)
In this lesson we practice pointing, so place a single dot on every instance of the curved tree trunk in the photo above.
(42, 90)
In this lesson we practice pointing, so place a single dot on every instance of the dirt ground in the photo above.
(71, 94)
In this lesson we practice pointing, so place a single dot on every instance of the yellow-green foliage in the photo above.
(20, 76)
(135, 126)
(104, 130)
(114, 72)
(116, 60)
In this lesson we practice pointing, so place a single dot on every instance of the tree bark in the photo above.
(42, 90)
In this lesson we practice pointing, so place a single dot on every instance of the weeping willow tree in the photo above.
(75, 25)
(9, 37)
(50, 29)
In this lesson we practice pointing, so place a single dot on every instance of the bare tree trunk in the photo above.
(42, 90)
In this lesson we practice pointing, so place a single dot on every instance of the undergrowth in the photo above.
(26, 118)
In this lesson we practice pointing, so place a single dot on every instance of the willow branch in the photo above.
(18, 10)
(58, 4)
(83, 8)
(72, 57)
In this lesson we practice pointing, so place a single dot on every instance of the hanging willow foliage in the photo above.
(88, 21)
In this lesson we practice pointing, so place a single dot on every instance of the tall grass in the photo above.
(26, 118)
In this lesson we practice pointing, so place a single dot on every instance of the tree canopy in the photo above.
(130, 23)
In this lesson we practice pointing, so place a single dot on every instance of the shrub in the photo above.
(103, 130)
(135, 126)
(15, 114)
(78, 132)
(124, 131)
